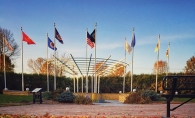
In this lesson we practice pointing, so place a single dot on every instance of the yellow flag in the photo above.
(158, 45)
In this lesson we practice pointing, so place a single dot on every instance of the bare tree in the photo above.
(10, 55)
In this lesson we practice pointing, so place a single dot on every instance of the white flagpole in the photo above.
(47, 65)
(4, 61)
(74, 78)
(157, 63)
(54, 59)
(95, 87)
(124, 69)
(22, 61)
(168, 59)
(86, 65)
(98, 86)
(82, 84)
(157, 71)
(77, 84)
(132, 65)
(74, 84)
(92, 78)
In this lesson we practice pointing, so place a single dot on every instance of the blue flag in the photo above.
(57, 36)
(133, 41)
(51, 44)
(93, 36)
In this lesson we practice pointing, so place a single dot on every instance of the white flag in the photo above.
(128, 47)
(8, 45)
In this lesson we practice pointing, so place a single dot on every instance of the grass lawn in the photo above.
(15, 98)
(183, 100)
(9, 99)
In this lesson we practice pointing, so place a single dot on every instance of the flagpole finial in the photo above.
(95, 24)
(87, 29)
(54, 24)
(21, 28)
(159, 36)
(133, 28)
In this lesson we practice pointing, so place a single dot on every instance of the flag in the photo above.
(157, 45)
(133, 41)
(89, 42)
(27, 39)
(93, 36)
(8, 45)
(128, 47)
(167, 52)
(57, 36)
(51, 44)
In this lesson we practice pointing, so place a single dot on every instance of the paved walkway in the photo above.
(112, 109)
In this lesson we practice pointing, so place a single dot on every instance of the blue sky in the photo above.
(174, 20)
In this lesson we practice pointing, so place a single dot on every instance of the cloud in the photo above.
(178, 37)
(164, 38)
(109, 46)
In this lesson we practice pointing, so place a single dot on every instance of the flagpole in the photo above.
(132, 65)
(157, 71)
(86, 64)
(47, 65)
(168, 58)
(74, 78)
(95, 87)
(77, 84)
(22, 61)
(157, 63)
(124, 69)
(54, 59)
(4, 61)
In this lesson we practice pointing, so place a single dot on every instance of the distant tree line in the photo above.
(109, 84)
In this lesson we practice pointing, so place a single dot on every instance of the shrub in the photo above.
(66, 97)
(80, 99)
(56, 93)
(151, 94)
(136, 98)
(47, 95)
(133, 98)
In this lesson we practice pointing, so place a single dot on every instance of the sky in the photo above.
(174, 20)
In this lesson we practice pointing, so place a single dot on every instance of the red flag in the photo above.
(27, 39)
(89, 42)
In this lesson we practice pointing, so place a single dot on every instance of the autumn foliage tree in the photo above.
(162, 67)
(118, 70)
(190, 66)
(9, 66)
(39, 66)
(100, 67)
